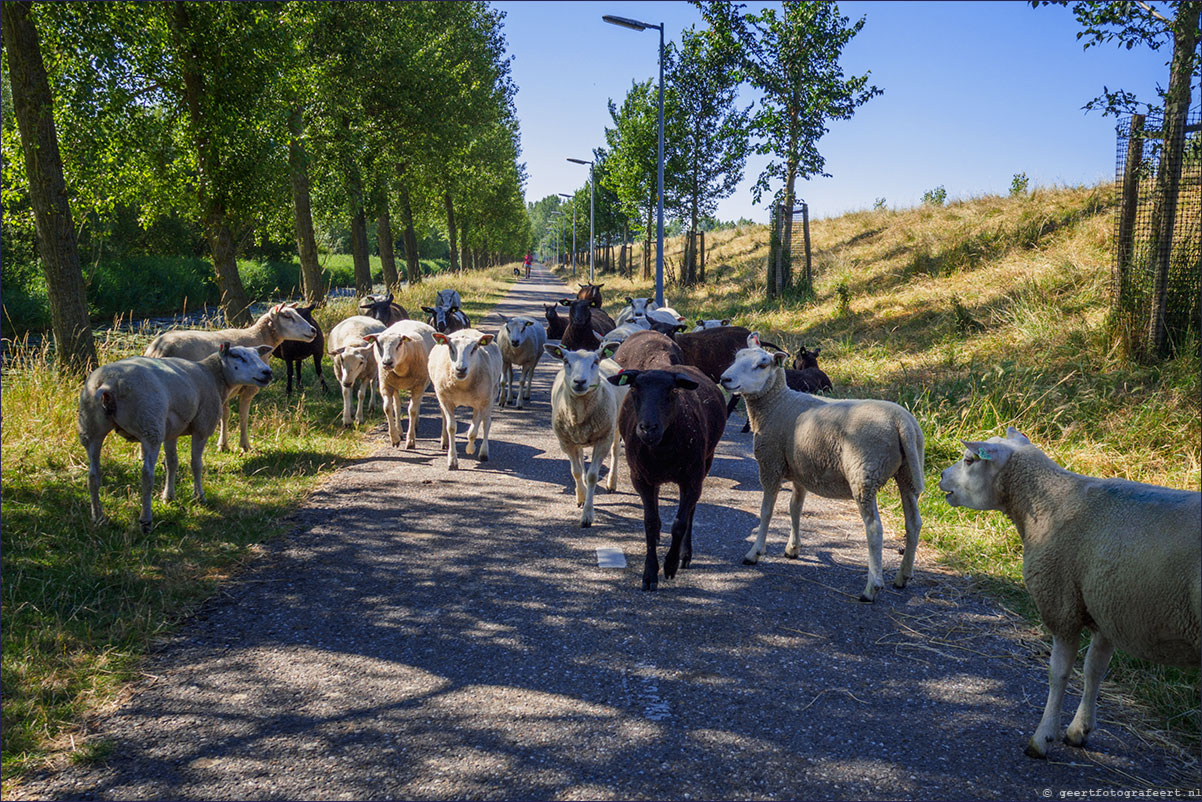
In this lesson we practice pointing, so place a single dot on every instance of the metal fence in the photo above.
(1157, 277)
(789, 261)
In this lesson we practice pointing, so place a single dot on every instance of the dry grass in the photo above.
(985, 313)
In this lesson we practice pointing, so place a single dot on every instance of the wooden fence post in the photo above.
(1128, 204)
(701, 274)
(805, 227)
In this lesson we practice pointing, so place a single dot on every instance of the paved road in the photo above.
(442, 635)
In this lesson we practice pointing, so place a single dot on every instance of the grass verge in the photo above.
(81, 604)
(981, 314)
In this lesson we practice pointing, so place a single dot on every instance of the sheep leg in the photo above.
(1097, 660)
(771, 489)
(913, 528)
(575, 456)
(288, 367)
(364, 388)
(448, 436)
(223, 443)
(651, 525)
(150, 456)
(198, 450)
(415, 405)
(527, 380)
(503, 389)
(244, 415)
(875, 535)
(1064, 653)
(473, 432)
(487, 429)
(689, 496)
(590, 480)
(347, 393)
(171, 460)
(793, 547)
(93, 447)
(392, 401)
(317, 370)
(686, 551)
(611, 480)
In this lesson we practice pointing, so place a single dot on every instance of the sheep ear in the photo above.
(503, 318)
(679, 327)
(485, 340)
(264, 350)
(338, 350)
(624, 378)
(753, 340)
(224, 349)
(428, 310)
(779, 358)
(367, 338)
(996, 453)
(629, 301)
(554, 350)
(388, 299)
(725, 321)
(685, 383)
(441, 338)
(275, 310)
(294, 305)
(566, 301)
(1016, 435)
(701, 322)
(608, 349)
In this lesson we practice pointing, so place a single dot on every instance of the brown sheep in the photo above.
(590, 293)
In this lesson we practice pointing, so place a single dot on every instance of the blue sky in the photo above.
(974, 92)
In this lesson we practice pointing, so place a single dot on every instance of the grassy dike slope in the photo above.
(983, 313)
(81, 603)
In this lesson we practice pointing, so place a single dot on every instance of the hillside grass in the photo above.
(81, 604)
(984, 313)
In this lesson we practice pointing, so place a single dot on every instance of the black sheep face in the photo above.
(579, 314)
(653, 397)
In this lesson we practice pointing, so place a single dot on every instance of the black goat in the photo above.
(296, 352)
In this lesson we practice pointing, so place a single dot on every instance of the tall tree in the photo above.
(34, 109)
(712, 133)
(632, 161)
(793, 59)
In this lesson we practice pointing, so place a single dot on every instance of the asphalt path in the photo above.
(428, 634)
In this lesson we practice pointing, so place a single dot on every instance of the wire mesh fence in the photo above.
(1157, 277)
(789, 258)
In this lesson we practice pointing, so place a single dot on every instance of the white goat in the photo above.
(584, 414)
(836, 448)
(354, 362)
(521, 341)
(402, 365)
(1120, 558)
(465, 368)
(281, 322)
(153, 401)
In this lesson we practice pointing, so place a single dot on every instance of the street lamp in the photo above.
(592, 247)
(635, 25)
(554, 221)
(573, 197)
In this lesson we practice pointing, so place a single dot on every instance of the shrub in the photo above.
(878, 204)
(935, 197)
(1019, 184)
(843, 307)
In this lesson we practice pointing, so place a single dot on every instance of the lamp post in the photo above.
(555, 221)
(573, 197)
(635, 25)
(592, 247)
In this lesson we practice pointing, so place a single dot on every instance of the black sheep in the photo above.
(645, 350)
(296, 352)
(555, 324)
(671, 422)
(383, 309)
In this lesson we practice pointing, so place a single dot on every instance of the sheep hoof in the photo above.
(1075, 738)
(792, 555)
(899, 582)
(866, 599)
(410, 446)
(146, 526)
(750, 560)
(901, 550)
(1034, 751)
(684, 561)
(585, 524)
(484, 458)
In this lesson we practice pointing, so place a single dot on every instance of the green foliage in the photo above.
(1019, 184)
(843, 293)
(878, 204)
(935, 197)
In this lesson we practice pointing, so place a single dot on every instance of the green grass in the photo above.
(80, 604)
(981, 314)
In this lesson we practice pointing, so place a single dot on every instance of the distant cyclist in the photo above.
(529, 260)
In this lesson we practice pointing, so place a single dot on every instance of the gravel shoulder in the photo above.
(426, 634)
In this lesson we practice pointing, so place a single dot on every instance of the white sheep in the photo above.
(354, 361)
(584, 414)
(1118, 557)
(153, 401)
(402, 366)
(465, 369)
(281, 322)
(521, 341)
(620, 333)
(703, 324)
(635, 309)
(844, 448)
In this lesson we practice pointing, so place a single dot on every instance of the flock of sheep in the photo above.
(1117, 557)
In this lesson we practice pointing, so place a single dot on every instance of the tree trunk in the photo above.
(1164, 213)
(234, 301)
(451, 233)
(359, 252)
(384, 239)
(412, 265)
(647, 248)
(786, 262)
(302, 212)
(463, 249)
(57, 245)
(701, 266)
